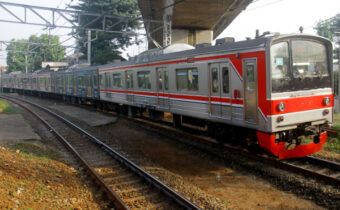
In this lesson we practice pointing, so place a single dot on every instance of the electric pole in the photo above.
(89, 47)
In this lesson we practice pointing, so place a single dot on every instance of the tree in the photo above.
(47, 48)
(106, 47)
(330, 29)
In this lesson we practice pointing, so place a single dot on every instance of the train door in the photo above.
(163, 88)
(250, 91)
(220, 101)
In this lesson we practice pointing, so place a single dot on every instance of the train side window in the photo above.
(144, 81)
(69, 81)
(225, 77)
(117, 80)
(107, 80)
(160, 81)
(101, 80)
(58, 81)
(166, 80)
(88, 80)
(214, 78)
(129, 79)
(95, 80)
(187, 79)
(81, 81)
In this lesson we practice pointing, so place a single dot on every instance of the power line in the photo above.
(264, 5)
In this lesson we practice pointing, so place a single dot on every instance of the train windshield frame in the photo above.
(299, 64)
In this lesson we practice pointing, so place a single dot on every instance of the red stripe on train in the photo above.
(301, 104)
(177, 96)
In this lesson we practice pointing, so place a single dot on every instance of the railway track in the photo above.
(126, 185)
(318, 169)
(331, 131)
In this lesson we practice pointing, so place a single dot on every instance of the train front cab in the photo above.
(300, 99)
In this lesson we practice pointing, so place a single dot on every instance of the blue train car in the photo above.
(87, 84)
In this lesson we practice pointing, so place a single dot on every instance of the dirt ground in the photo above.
(37, 179)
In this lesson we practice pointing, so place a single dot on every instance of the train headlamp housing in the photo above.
(326, 101)
(281, 107)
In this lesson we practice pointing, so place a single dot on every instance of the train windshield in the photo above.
(299, 65)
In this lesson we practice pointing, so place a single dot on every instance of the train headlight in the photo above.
(326, 101)
(281, 106)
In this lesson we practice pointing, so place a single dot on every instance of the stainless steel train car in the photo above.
(279, 87)
(272, 90)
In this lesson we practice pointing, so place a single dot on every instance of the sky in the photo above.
(284, 16)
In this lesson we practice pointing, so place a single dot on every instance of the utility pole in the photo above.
(89, 47)
(26, 63)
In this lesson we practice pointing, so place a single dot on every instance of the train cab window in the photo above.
(280, 60)
(309, 59)
(144, 81)
(187, 79)
(280, 70)
(129, 79)
(225, 77)
(214, 78)
(117, 80)
(299, 65)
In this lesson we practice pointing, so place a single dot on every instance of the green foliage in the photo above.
(330, 29)
(36, 53)
(34, 150)
(7, 109)
(106, 48)
(332, 145)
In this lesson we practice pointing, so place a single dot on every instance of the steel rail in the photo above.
(322, 162)
(331, 131)
(110, 193)
(178, 198)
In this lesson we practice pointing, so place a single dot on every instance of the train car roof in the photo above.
(153, 56)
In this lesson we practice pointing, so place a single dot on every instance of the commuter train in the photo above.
(272, 90)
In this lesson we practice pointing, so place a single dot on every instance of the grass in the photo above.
(30, 150)
(7, 109)
(332, 145)
(336, 121)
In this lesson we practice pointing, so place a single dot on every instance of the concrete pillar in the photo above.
(192, 37)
